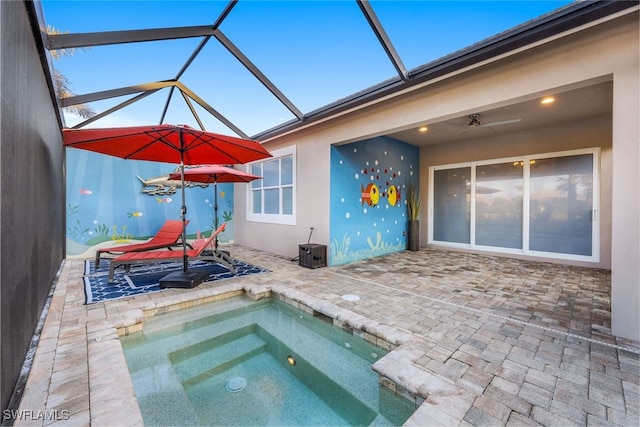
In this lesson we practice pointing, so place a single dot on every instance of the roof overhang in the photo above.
(574, 17)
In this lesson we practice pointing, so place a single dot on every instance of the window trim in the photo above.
(286, 219)
(595, 223)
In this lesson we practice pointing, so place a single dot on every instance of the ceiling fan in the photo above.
(476, 123)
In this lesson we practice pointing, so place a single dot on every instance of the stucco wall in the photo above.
(312, 203)
(606, 51)
(32, 206)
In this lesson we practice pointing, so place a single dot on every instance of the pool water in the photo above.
(226, 363)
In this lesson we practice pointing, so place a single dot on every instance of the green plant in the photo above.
(413, 201)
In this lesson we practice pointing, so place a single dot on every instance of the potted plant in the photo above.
(413, 211)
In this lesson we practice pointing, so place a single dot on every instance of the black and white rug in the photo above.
(146, 278)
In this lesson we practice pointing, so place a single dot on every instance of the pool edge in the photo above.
(397, 370)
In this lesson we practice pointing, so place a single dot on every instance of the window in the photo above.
(543, 205)
(271, 199)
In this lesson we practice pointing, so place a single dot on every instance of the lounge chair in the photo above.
(166, 237)
(156, 257)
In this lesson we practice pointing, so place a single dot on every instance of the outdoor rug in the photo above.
(146, 278)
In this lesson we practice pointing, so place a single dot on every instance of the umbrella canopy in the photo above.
(170, 144)
(166, 143)
(214, 174)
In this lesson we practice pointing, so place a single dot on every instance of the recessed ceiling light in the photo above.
(423, 129)
(547, 100)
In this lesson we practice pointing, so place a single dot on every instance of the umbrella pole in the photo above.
(185, 261)
(184, 278)
(215, 210)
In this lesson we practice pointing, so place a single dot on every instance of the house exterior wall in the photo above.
(32, 207)
(312, 202)
(625, 249)
(368, 198)
(603, 51)
(592, 133)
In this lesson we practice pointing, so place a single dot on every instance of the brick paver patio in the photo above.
(493, 341)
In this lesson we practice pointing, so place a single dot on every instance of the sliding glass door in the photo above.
(542, 205)
(452, 205)
(561, 205)
(498, 201)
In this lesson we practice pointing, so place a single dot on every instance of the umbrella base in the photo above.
(183, 279)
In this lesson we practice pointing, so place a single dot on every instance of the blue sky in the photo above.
(316, 52)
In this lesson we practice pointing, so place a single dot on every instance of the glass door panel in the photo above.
(561, 205)
(499, 213)
(452, 205)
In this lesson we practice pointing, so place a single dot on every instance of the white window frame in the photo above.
(595, 223)
(286, 219)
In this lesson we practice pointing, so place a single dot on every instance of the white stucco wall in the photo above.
(625, 252)
(604, 52)
(312, 202)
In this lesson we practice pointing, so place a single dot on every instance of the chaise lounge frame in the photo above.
(155, 257)
(167, 237)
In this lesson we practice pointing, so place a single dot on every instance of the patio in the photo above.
(495, 341)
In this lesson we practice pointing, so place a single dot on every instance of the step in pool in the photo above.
(241, 362)
(196, 364)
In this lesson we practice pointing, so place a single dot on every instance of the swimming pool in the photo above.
(245, 362)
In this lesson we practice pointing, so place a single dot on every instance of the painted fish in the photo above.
(85, 192)
(134, 214)
(162, 185)
(393, 195)
(161, 200)
(370, 195)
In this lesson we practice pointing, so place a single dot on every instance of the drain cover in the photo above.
(349, 297)
(236, 384)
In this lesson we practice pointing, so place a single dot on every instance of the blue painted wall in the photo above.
(105, 205)
(367, 218)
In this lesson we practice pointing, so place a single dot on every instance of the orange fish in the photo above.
(371, 194)
(85, 192)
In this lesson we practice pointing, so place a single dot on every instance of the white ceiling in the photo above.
(569, 106)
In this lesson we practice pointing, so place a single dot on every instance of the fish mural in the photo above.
(369, 195)
(393, 195)
(98, 202)
(162, 185)
(373, 223)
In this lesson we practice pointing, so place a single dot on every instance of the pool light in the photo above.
(291, 360)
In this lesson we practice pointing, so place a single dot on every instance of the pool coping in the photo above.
(397, 370)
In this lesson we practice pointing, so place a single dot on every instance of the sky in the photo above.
(315, 52)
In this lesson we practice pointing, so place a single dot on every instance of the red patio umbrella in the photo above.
(215, 174)
(170, 144)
